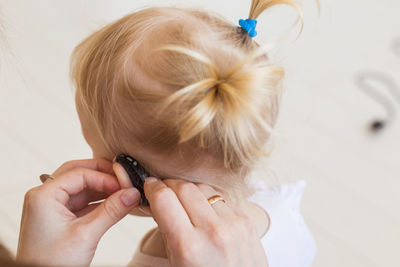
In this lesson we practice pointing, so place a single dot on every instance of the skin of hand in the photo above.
(60, 225)
(196, 233)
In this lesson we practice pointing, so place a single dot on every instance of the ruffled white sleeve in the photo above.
(288, 242)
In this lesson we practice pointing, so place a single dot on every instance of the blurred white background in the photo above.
(352, 201)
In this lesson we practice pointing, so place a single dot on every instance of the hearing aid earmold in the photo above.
(137, 174)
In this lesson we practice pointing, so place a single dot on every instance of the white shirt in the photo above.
(288, 242)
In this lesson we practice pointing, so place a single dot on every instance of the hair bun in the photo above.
(228, 112)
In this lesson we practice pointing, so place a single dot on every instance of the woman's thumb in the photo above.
(113, 209)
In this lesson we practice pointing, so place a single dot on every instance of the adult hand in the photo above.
(196, 233)
(59, 226)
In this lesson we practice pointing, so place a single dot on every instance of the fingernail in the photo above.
(130, 197)
(150, 180)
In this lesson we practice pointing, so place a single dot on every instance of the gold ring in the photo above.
(45, 177)
(214, 199)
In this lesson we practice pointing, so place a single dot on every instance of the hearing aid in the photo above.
(137, 174)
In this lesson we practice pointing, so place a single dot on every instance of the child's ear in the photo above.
(122, 176)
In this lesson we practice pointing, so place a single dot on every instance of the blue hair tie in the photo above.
(249, 25)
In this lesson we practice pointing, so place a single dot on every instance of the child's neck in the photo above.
(154, 245)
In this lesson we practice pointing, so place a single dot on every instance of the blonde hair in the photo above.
(214, 93)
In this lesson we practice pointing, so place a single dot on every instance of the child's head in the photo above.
(179, 90)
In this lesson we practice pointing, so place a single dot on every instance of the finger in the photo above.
(166, 245)
(167, 210)
(194, 202)
(80, 179)
(122, 175)
(82, 199)
(224, 210)
(87, 209)
(112, 210)
(99, 164)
